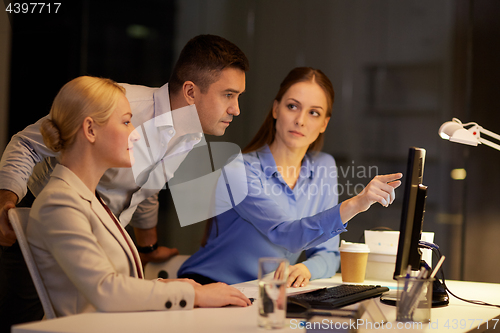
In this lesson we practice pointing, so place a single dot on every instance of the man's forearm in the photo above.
(8, 200)
(23, 152)
(145, 237)
(7, 196)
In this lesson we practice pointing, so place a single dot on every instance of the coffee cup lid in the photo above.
(353, 247)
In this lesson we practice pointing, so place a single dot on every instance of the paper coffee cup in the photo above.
(353, 259)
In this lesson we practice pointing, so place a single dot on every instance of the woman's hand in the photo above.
(190, 281)
(298, 276)
(217, 295)
(380, 189)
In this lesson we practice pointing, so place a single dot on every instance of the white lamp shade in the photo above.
(455, 132)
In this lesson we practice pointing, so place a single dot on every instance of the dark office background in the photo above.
(399, 69)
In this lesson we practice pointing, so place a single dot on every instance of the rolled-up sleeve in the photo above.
(146, 214)
(23, 152)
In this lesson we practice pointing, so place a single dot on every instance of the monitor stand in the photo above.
(439, 296)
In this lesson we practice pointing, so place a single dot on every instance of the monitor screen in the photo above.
(412, 216)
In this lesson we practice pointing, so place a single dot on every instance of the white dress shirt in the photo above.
(27, 161)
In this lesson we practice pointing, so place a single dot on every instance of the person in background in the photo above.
(85, 257)
(292, 201)
(210, 73)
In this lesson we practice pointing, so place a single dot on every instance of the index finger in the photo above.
(390, 178)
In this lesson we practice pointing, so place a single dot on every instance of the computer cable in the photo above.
(437, 252)
(428, 245)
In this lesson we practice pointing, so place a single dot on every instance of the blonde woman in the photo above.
(86, 259)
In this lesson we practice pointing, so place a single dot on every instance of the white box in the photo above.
(383, 250)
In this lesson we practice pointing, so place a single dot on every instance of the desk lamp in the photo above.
(455, 131)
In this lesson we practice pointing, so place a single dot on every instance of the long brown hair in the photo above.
(267, 132)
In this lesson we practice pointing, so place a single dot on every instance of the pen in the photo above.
(414, 293)
(407, 278)
(415, 298)
(422, 273)
(408, 271)
(438, 265)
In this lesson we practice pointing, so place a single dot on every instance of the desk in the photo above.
(242, 320)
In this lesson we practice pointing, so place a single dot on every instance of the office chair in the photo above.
(165, 270)
(18, 218)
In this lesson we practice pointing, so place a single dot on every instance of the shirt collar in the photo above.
(269, 164)
(267, 161)
(162, 116)
(307, 166)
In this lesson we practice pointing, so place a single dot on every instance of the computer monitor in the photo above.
(410, 230)
(412, 215)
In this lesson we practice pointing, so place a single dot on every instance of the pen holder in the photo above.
(414, 300)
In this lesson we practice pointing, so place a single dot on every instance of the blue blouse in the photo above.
(275, 221)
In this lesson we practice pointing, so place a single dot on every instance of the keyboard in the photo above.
(338, 296)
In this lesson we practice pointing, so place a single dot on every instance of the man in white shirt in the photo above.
(209, 74)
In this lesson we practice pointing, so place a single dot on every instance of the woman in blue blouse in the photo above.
(292, 202)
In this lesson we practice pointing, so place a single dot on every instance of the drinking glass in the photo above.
(273, 273)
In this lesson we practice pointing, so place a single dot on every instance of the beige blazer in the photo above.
(83, 258)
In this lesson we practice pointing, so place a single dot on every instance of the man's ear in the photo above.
(89, 129)
(188, 91)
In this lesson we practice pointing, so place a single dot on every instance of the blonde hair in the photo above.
(85, 96)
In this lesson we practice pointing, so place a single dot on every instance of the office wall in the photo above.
(481, 104)
(399, 69)
(5, 34)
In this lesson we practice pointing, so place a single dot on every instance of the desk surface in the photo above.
(457, 317)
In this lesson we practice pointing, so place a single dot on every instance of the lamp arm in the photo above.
(489, 133)
(489, 143)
